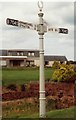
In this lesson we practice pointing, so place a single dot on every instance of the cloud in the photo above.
(60, 14)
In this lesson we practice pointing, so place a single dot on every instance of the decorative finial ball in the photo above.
(40, 4)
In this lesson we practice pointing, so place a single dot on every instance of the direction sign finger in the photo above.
(18, 23)
(58, 30)
(26, 25)
(53, 29)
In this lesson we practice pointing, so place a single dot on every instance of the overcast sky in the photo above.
(56, 14)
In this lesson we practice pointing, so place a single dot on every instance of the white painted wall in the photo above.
(2, 62)
(22, 63)
(51, 63)
(37, 63)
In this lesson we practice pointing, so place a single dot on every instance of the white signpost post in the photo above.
(41, 28)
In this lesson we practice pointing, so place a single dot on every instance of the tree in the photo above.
(64, 73)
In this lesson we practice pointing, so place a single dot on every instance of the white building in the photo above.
(24, 58)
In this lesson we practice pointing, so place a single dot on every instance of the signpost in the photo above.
(41, 28)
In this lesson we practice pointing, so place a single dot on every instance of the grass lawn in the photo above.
(63, 113)
(21, 76)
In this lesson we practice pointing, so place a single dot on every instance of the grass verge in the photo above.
(63, 113)
(22, 76)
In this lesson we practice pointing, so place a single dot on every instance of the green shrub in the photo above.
(64, 73)
(56, 65)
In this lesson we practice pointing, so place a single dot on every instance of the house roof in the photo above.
(4, 52)
(55, 58)
(46, 57)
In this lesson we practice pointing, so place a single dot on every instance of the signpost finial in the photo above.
(40, 5)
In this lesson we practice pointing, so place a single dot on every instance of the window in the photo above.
(29, 54)
(46, 63)
(21, 53)
(9, 53)
(18, 53)
(32, 54)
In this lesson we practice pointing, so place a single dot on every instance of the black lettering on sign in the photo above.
(63, 30)
(12, 22)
